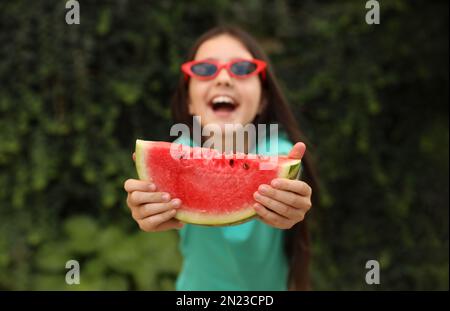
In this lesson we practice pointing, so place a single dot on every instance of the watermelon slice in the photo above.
(215, 189)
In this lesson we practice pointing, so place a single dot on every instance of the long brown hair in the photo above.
(297, 241)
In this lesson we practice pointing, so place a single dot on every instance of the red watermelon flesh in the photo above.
(215, 189)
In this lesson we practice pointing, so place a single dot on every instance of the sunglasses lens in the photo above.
(243, 68)
(204, 69)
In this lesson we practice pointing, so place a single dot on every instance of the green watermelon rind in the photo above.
(140, 159)
(196, 218)
(290, 169)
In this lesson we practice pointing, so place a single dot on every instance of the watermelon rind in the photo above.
(141, 147)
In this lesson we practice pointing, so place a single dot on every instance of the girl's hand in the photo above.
(152, 210)
(284, 202)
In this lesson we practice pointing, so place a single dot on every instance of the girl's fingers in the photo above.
(131, 185)
(138, 197)
(151, 223)
(272, 218)
(258, 208)
(286, 197)
(148, 210)
(276, 206)
(266, 221)
(297, 151)
(134, 156)
(170, 224)
(296, 186)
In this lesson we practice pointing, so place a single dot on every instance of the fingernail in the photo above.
(263, 188)
(257, 195)
(152, 187)
(176, 202)
(165, 197)
(275, 183)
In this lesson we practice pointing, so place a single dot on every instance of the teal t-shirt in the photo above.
(249, 256)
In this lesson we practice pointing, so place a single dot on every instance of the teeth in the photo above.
(223, 99)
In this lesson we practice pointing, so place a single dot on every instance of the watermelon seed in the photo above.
(231, 162)
(245, 166)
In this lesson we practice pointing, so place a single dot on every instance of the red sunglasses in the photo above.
(237, 68)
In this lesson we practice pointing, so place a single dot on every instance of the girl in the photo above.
(227, 79)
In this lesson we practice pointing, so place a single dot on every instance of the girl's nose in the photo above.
(223, 78)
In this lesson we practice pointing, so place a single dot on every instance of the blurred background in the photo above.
(373, 100)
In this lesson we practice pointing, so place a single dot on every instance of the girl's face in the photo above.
(224, 99)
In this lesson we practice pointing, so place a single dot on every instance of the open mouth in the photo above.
(223, 104)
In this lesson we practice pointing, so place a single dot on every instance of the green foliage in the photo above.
(73, 99)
